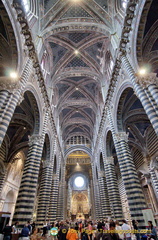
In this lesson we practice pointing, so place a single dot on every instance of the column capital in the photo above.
(154, 163)
(46, 163)
(35, 139)
(147, 177)
(101, 174)
(122, 136)
(147, 79)
(20, 99)
(6, 83)
(110, 160)
(55, 176)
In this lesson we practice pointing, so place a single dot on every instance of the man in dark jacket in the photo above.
(7, 232)
(25, 232)
(63, 229)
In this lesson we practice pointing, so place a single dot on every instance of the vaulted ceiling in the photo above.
(76, 36)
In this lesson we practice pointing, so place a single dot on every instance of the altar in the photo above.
(80, 216)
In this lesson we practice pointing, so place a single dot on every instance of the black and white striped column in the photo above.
(152, 82)
(62, 191)
(9, 99)
(129, 175)
(2, 179)
(149, 109)
(97, 201)
(113, 191)
(28, 187)
(96, 193)
(60, 207)
(105, 205)
(134, 192)
(44, 193)
(52, 215)
(155, 181)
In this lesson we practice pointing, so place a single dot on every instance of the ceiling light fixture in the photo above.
(76, 52)
(142, 71)
(13, 75)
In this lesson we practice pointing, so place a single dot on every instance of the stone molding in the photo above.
(110, 160)
(147, 79)
(122, 136)
(35, 140)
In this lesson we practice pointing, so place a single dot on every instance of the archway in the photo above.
(142, 140)
(9, 202)
(78, 177)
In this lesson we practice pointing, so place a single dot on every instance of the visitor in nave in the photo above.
(126, 227)
(153, 234)
(7, 232)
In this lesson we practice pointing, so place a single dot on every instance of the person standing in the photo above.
(63, 229)
(127, 229)
(135, 226)
(25, 232)
(153, 233)
(72, 234)
(15, 227)
(7, 231)
(119, 230)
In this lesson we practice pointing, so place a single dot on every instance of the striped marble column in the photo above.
(96, 193)
(28, 187)
(9, 98)
(134, 192)
(52, 214)
(154, 91)
(155, 181)
(97, 201)
(151, 82)
(3, 174)
(61, 196)
(105, 205)
(60, 206)
(148, 83)
(69, 197)
(93, 214)
(149, 109)
(113, 191)
(129, 175)
(151, 99)
(44, 193)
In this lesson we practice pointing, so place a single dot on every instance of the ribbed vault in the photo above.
(75, 35)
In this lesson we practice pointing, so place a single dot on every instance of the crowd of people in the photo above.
(82, 230)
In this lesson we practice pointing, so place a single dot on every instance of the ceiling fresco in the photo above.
(76, 36)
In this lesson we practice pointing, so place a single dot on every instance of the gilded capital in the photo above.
(9, 84)
(35, 139)
(147, 79)
(101, 174)
(46, 163)
(110, 160)
(55, 177)
(122, 136)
